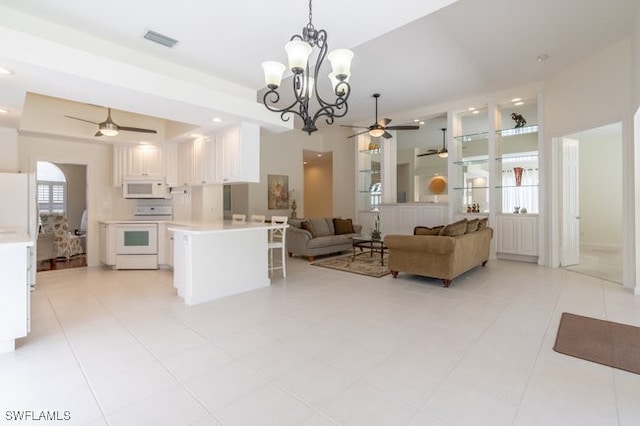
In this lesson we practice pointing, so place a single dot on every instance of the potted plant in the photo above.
(375, 233)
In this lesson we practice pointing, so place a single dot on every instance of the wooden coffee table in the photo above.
(373, 246)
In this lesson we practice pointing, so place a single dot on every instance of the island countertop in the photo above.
(194, 227)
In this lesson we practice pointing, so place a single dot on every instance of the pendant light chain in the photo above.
(310, 14)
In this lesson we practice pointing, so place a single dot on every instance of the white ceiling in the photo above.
(415, 52)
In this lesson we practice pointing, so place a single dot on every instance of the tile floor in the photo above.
(322, 347)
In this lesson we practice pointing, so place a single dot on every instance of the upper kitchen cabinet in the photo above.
(195, 160)
(237, 154)
(137, 160)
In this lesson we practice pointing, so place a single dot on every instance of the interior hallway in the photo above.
(322, 347)
(600, 262)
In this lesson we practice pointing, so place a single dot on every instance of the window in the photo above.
(52, 188)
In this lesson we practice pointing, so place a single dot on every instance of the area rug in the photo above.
(609, 343)
(363, 264)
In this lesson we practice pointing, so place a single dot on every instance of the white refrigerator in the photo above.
(19, 210)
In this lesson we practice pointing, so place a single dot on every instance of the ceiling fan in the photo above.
(109, 128)
(380, 127)
(442, 153)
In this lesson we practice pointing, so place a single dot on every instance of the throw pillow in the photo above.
(306, 225)
(343, 226)
(321, 227)
(472, 225)
(483, 223)
(454, 229)
(424, 230)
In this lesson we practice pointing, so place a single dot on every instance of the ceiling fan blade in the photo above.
(387, 135)
(384, 121)
(354, 127)
(81, 119)
(403, 127)
(356, 134)
(136, 129)
(430, 152)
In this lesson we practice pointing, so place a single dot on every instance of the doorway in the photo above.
(318, 183)
(596, 235)
(63, 217)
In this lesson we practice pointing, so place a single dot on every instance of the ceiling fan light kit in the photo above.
(442, 152)
(298, 49)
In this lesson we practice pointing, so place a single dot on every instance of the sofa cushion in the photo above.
(308, 226)
(329, 241)
(482, 223)
(472, 225)
(424, 230)
(454, 229)
(343, 226)
(320, 227)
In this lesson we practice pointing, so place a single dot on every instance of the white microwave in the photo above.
(144, 187)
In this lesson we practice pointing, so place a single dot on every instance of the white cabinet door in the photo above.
(107, 244)
(518, 235)
(136, 160)
(171, 164)
(145, 160)
(185, 163)
(237, 154)
(14, 295)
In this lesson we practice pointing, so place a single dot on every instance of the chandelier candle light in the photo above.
(298, 49)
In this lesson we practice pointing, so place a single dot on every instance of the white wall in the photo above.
(281, 154)
(590, 94)
(635, 70)
(601, 188)
(9, 150)
(103, 200)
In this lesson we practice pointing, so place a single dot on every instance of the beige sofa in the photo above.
(315, 237)
(440, 255)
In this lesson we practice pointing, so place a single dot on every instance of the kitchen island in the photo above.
(14, 289)
(219, 259)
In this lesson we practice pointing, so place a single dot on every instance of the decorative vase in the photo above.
(375, 235)
(294, 206)
(518, 173)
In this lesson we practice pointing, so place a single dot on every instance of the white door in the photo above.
(570, 254)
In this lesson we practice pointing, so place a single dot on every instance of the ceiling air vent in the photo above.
(160, 38)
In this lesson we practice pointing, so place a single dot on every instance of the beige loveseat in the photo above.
(442, 252)
(315, 237)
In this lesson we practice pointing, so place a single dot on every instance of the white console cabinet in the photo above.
(518, 237)
(403, 217)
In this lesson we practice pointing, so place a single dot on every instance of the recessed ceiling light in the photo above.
(216, 120)
(416, 120)
(5, 71)
(542, 58)
(3, 111)
(421, 123)
(319, 155)
(516, 99)
(476, 112)
(195, 135)
(304, 162)
(519, 103)
(472, 108)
